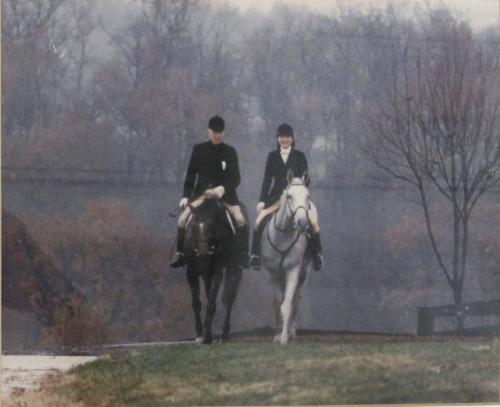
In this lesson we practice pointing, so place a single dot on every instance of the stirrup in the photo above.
(178, 260)
(317, 261)
(255, 262)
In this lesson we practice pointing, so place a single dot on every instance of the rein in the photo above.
(285, 252)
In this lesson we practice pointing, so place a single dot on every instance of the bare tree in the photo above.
(83, 20)
(152, 88)
(32, 71)
(285, 57)
(434, 126)
(176, 64)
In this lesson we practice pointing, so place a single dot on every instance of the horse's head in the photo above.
(202, 231)
(297, 202)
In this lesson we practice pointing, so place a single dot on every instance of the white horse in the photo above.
(284, 255)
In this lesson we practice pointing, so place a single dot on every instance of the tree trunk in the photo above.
(460, 314)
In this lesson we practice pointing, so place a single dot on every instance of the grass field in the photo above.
(336, 370)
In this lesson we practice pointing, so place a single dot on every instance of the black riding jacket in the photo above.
(275, 176)
(210, 166)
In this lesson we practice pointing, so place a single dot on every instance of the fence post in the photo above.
(425, 321)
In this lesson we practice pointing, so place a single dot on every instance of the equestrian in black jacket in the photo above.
(213, 173)
(212, 165)
(279, 162)
(275, 176)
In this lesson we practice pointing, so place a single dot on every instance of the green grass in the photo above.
(308, 371)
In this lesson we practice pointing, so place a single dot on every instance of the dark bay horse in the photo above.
(210, 255)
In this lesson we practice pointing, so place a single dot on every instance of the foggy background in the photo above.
(101, 105)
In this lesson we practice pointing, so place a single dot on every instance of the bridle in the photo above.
(212, 247)
(292, 211)
(292, 229)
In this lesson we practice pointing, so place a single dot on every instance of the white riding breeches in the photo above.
(234, 210)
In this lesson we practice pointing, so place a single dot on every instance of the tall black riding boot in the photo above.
(178, 260)
(255, 258)
(316, 252)
(242, 233)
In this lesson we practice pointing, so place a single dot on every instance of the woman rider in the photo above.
(285, 158)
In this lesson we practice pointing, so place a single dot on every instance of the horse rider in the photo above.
(285, 158)
(213, 173)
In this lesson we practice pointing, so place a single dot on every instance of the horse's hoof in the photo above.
(199, 339)
(284, 340)
(277, 338)
(207, 341)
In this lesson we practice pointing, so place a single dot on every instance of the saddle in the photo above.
(266, 214)
(262, 224)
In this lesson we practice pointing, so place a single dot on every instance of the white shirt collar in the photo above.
(285, 153)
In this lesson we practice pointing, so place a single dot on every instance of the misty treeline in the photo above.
(82, 94)
(375, 99)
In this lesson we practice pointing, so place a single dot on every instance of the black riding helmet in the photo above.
(216, 124)
(285, 129)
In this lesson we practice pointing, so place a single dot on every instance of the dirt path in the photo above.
(21, 373)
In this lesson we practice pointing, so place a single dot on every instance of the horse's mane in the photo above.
(209, 208)
(213, 210)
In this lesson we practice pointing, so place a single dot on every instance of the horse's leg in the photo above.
(292, 280)
(293, 318)
(194, 284)
(212, 303)
(295, 304)
(231, 283)
(207, 282)
(278, 295)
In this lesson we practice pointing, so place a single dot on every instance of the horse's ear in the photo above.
(305, 177)
(289, 176)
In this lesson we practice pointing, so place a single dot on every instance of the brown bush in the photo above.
(121, 270)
